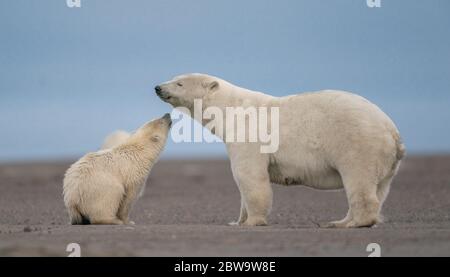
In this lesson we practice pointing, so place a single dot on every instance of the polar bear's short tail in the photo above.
(401, 150)
(76, 218)
(399, 155)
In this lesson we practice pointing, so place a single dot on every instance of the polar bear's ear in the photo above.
(212, 86)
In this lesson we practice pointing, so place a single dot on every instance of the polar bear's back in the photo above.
(331, 108)
(336, 124)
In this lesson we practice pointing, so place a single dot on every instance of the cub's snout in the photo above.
(167, 119)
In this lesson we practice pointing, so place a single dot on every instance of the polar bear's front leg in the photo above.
(256, 193)
(243, 213)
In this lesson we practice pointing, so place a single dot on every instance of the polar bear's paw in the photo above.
(255, 221)
(234, 223)
(333, 224)
(361, 224)
(347, 224)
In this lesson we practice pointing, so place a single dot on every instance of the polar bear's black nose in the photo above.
(158, 89)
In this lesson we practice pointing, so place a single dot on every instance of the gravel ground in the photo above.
(187, 205)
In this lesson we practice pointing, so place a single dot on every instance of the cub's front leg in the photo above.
(129, 197)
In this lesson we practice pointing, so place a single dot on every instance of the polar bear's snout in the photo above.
(163, 94)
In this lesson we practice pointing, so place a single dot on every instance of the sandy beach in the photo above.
(187, 205)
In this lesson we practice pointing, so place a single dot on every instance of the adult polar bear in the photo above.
(328, 140)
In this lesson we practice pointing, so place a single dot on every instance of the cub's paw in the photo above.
(128, 222)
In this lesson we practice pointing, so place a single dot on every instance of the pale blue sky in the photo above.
(68, 77)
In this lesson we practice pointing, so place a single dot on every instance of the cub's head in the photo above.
(182, 90)
(155, 132)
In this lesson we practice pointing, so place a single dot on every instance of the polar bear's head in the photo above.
(153, 133)
(184, 89)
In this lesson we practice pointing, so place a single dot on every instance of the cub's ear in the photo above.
(214, 85)
(155, 138)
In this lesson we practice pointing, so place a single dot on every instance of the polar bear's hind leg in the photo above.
(364, 207)
(363, 201)
(382, 193)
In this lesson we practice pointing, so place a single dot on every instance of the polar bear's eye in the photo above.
(179, 84)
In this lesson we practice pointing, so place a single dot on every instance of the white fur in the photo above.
(101, 187)
(115, 139)
(328, 140)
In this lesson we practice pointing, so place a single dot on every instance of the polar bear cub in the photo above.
(327, 140)
(115, 139)
(101, 187)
